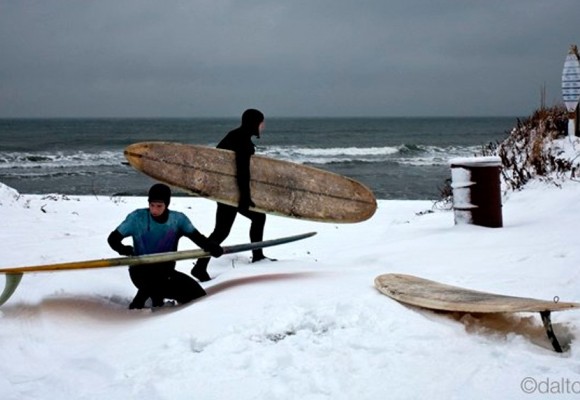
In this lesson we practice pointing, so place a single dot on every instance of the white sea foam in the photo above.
(418, 155)
(328, 155)
(26, 160)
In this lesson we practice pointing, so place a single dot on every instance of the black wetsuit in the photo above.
(238, 140)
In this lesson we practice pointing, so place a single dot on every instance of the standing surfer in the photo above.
(238, 140)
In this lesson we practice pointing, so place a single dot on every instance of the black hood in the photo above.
(251, 120)
(160, 192)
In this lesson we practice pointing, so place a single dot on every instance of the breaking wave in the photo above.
(403, 154)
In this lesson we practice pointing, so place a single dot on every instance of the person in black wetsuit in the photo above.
(238, 140)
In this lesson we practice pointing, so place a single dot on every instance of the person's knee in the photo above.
(184, 289)
(188, 296)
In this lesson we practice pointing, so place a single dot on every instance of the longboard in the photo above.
(433, 295)
(278, 187)
(14, 274)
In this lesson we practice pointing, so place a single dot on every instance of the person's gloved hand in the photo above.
(214, 249)
(126, 251)
(206, 244)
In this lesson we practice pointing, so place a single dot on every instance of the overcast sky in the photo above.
(208, 58)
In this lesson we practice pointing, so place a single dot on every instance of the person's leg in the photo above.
(139, 279)
(159, 290)
(151, 281)
(256, 232)
(224, 219)
(159, 282)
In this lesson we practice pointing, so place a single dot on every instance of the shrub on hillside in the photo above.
(532, 149)
(536, 148)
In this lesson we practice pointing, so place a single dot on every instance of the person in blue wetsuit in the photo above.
(238, 140)
(157, 230)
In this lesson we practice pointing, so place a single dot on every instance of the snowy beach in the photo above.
(308, 326)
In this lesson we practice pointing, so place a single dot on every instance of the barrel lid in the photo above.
(489, 161)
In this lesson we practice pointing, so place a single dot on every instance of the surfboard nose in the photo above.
(135, 152)
(135, 149)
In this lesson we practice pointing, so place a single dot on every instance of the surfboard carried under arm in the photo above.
(433, 295)
(14, 275)
(277, 187)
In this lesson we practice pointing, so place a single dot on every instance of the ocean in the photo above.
(398, 158)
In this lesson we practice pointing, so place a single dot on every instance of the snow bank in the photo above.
(309, 326)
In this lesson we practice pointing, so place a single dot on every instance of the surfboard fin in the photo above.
(12, 282)
(546, 320)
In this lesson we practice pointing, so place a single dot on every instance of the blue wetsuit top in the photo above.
(150, 236)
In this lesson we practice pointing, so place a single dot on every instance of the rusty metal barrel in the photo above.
(477, 191)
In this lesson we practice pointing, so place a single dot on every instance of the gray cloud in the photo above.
(299, 58)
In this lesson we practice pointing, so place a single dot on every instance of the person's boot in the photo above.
(259, 256)
(199, 270)
(157, 302)
(138, 301)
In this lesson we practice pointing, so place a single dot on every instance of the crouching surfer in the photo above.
(157, 229)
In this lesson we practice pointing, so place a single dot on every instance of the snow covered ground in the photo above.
(309, 326)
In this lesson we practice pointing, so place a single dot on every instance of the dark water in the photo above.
(398, 158)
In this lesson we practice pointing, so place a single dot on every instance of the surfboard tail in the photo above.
(12, 282)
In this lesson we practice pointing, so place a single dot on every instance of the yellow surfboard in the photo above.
(14, 274)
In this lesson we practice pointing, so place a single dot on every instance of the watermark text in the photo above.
(532, 385)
